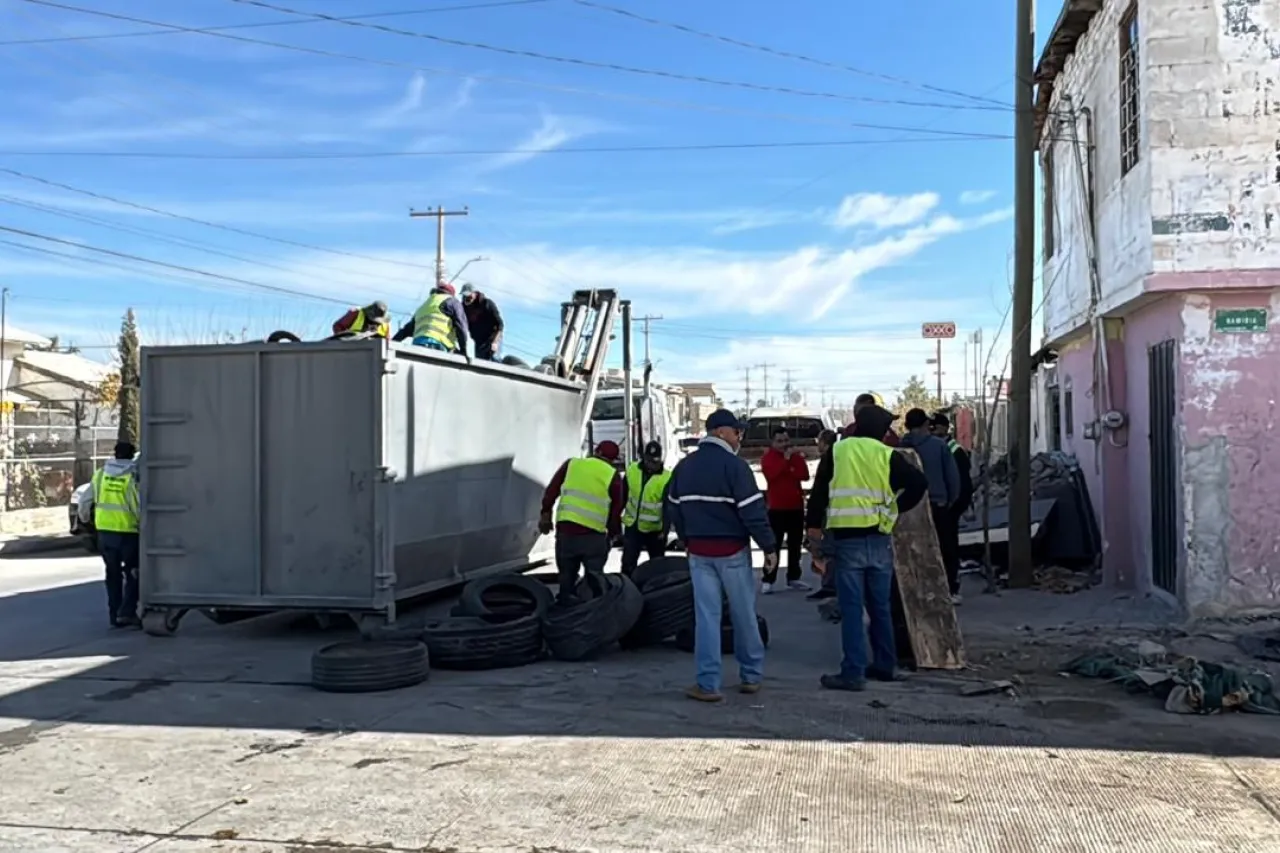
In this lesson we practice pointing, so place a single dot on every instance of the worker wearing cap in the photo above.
(717, 509)
(860, 488)
(644, 522)
(590, 498)
(440, 323)
(374, 317)
(112, 504)
(873, 399)
(484, 321)
(940, 426)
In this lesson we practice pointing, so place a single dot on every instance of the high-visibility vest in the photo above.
(953, 445)
(357, 325)
(860, 493)
(584, 494)
(644, 499)
(430, 321)
(115, 502)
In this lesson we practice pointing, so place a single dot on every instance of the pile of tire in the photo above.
(684, 639)
(667, 590)
(496, 624)
(368, 666)
(604, 609)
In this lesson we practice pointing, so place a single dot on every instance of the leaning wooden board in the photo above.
(922, 578)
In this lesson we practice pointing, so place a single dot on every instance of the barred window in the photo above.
(1129, 118)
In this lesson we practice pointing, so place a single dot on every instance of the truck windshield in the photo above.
(610, 408)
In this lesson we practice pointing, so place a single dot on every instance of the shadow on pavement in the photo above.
(59, 664)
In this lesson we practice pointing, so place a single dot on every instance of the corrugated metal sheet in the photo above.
(1162, 391)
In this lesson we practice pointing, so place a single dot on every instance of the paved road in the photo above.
(211, 740)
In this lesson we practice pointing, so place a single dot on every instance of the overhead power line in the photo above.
(787, 54)
(476, 152)
(614, 66)
(264, 24)
(483, 78)
(175, 267)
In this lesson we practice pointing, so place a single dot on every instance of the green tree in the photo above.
(130, 381)
(915, 395)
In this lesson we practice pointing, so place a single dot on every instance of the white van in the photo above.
(653, 421)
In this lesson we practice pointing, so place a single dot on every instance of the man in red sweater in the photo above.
(784, 470)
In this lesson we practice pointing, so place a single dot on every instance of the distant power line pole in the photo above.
(746, 387)
(789, 372)
(646, 319)
(439, 213)
(765, 369)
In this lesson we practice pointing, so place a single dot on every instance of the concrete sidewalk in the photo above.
(212, 740)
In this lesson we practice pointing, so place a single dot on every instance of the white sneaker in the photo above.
(798, 586)
(766, 588)
(957, 599)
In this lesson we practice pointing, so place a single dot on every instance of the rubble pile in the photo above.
(1051, 469)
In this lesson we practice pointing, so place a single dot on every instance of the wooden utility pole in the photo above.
(746, 388)
(765, 368)
(646, 319)
(1021, 572)
(938, 359)
(439, 213)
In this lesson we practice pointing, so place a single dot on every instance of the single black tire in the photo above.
(513, 361)
(605, 608)
(224, 616)
(504, 596)
(473, 643)
(369, 666)
(667, 610)
(283, 337)
(684, 640)
(651, 570)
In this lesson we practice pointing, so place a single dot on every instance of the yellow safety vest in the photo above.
(644, 499)
(357, 325)
(860, 493)
(115, 503)
(584, 495)
(430, 321)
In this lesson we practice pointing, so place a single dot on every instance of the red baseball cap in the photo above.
(608, 450)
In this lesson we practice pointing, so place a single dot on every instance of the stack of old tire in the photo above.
(667, 592)
(600, 613)
(497, 623)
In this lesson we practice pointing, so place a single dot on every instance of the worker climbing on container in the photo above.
(590, 495)
(644, 522)
(484, 321)
(440, 323)
(374, 317)
(112, 505)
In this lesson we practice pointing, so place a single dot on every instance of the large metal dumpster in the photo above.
(339, 476)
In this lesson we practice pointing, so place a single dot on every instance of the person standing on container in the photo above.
(717, 510)
(112, 505)
(484, 321)
(440, 323)
(644, 522)
(590, 495)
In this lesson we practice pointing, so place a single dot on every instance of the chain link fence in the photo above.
(48, 450)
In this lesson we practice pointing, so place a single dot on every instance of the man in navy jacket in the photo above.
(717, 510)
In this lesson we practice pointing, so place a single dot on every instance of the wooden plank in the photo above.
(922, 578)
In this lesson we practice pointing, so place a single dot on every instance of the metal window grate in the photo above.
(1162, 402)
(1129, 115)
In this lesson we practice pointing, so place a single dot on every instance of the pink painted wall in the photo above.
(1143, 328)
(1230, 457)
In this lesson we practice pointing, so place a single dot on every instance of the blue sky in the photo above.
(821, 260)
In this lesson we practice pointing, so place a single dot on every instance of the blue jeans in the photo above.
(730, 578)
(429, 343)
(120, 557)
(864, 578)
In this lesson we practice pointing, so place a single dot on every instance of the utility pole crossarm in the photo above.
(439, 213)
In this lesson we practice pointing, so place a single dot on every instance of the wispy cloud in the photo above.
(554, 132)
(877, 210)
(405, 108)
(977, 196)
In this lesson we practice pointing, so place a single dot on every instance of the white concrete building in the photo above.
(1160, 151)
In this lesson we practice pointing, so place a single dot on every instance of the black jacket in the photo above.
(484, 318)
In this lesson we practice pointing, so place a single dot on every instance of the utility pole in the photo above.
(789, 372)
(646, 319)
(439, 213)
(938, 365)
(976, 340)
(746, 388)
(4, 415)
(823, 391)
(1024, 182)
(765, 369)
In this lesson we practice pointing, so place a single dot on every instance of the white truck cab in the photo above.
(654, 421)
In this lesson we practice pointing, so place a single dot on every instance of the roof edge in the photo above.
(1072, 25)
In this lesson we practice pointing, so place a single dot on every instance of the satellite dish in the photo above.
(795, 397)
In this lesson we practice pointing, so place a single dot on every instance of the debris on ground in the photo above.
(986, 688)
(1260, 646)
(1185, 685)
(829, 610)
(1061, 580)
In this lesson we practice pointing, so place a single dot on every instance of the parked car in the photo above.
(85, 531)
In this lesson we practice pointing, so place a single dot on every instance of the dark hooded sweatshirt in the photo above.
(483, 318)
(905, 479)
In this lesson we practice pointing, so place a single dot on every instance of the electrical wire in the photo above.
(477, 152)
(787, 54)
(490, 78)
(264, 24)
(614, 66)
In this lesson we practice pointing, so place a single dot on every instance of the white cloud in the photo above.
(554, 132)
(977, 196)
(405, 108)
(877, 210)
